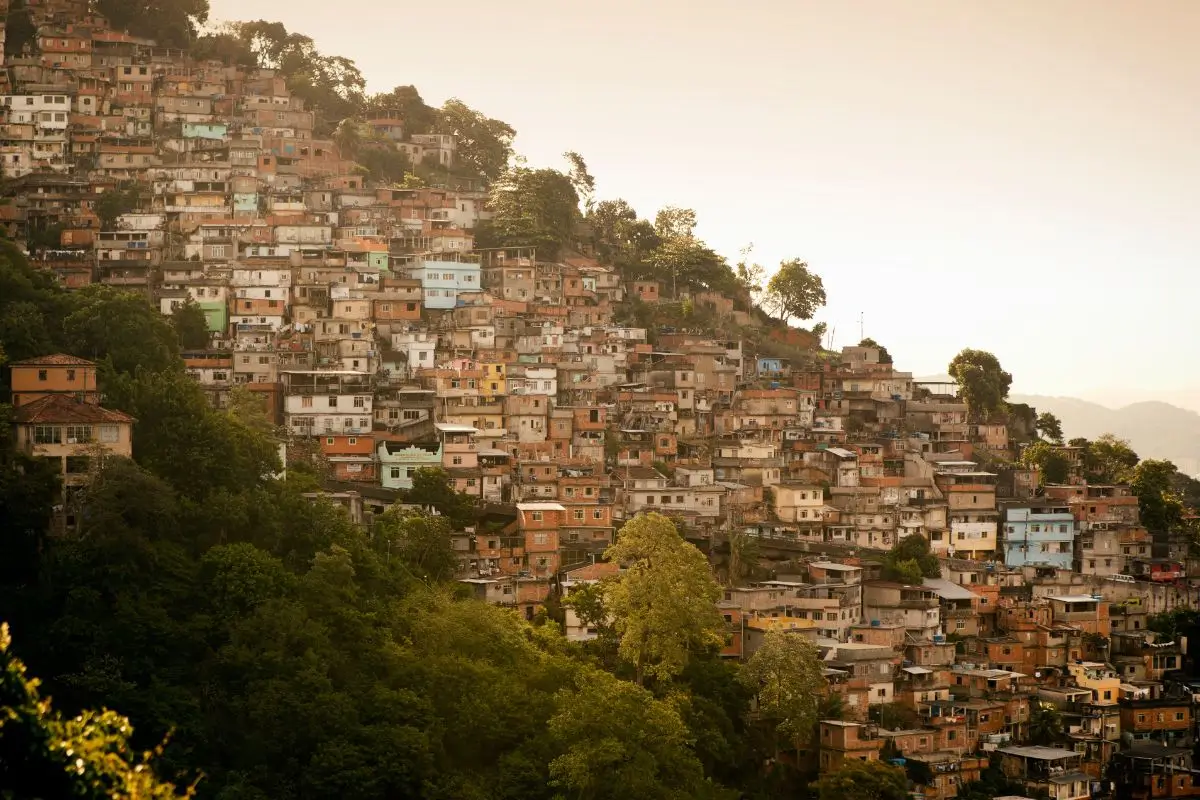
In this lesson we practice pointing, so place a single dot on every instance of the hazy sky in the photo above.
(1018, 176)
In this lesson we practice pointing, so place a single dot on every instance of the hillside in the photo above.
(1154, 429)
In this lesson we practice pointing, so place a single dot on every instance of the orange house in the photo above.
(396, 309)
(540, 524)
(35, 378)
(646, 291)
(352, 458)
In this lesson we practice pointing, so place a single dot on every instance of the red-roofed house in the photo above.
(71, 434)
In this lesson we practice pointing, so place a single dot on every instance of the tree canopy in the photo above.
(863, 780)
(1052, 465)
(911, 560)
(982, 383)
(664, 603)
(794, 292)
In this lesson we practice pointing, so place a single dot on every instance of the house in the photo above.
(840, 742)
(1039, 533)
(76, 436)
(58, 374)
(1053, 771)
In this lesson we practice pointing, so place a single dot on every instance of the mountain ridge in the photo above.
(1154, 428)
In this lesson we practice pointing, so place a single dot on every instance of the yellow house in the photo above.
(1103, 682)
(494, 382)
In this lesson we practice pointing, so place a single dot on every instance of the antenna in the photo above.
(861, 334)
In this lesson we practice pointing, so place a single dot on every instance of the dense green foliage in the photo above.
(983, 383)
(44, 755)
(1050, 462)
(283, 651)
(911, 560)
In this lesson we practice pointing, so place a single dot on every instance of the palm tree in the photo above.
(1045, 725)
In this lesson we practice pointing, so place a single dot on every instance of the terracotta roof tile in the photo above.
(59, 409)
(55, 360)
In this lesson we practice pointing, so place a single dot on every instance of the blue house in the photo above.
(441, 281)
(398, 462)
(772, 367)
(1039, 532)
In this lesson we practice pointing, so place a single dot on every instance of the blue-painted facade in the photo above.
(245, 201)
(771, 366)
(398, 462)
(1039, 535)
(441, 281)
(205, 130)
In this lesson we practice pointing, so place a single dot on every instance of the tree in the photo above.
(44, 755)
(884, 356)
(786, 675)
(617, 741)
(1170, 625)
(622, 238)
(532, 208)
(384, 164)
(348, 137)
(863, 780)
(743, 556)
(107, 323)
(663, 604)
(191, 326)
(581, 179)
(330, 85)
(405, 103)
(1160, 507)
(910, 560)
(1108, 459)
(794, 292)
(1050, 426)
(750, 276)
(1045, 725)
(434, 488)
(20, 32)
(114, 202)
(483, 146)
(1049, 461)
(171, 23)
(982, 383)
(681, 259)
(419, 541)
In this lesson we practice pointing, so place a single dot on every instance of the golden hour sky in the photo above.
(1017, 176)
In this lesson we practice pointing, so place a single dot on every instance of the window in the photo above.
(456, 461)
(360, 402)
(333, 402)
(70, 374)
(597, 514)
(395, 473)
(306, 402)
(47, 434)
(78, 434)
(536, 516)
(41, 375)
(352, 440)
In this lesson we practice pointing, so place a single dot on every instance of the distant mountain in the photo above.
(1154, 429)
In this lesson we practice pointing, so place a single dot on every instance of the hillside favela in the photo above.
(353, 455)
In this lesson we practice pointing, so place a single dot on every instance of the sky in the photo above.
(1020, 177)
